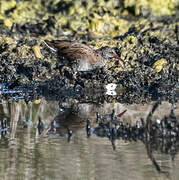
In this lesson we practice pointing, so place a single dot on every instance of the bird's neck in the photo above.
(102, 55)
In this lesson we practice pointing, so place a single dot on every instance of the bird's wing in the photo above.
(57, 45)
(77, 51)
(73, 50)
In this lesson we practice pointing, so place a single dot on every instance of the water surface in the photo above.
(27, 153)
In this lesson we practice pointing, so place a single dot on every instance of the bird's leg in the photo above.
(120, 60)
(75, 75)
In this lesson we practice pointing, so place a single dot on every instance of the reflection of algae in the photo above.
(37, 101)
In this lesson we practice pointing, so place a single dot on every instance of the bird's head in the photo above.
(109, 53)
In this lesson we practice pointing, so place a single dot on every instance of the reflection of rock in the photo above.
(75, 117)
(163, 133)
(137, 111)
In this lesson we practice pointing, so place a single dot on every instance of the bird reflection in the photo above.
(72, 118)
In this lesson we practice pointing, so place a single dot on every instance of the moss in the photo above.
(100, 18)
(131, 39)
(78, 25)
(26, 11)
(107, 25)
(168, 6)
(160, 7)
(20, 12)
(158, 65)
(24, 51)
(37, 52)
(103, 42)
(8, 22)
(7, 5)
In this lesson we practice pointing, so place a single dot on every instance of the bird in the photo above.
(80, 55)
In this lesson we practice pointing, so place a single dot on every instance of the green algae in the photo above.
(20, 12)
(160, 7)
(159, 64)
(97, 22)
(100, 17)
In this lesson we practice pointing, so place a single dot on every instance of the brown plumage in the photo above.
(85, 57)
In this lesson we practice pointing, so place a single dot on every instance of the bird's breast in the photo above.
(84, 65)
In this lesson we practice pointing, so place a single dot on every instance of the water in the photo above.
(27, 153)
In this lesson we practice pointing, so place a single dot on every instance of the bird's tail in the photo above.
(50, 45)
(57, 45)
